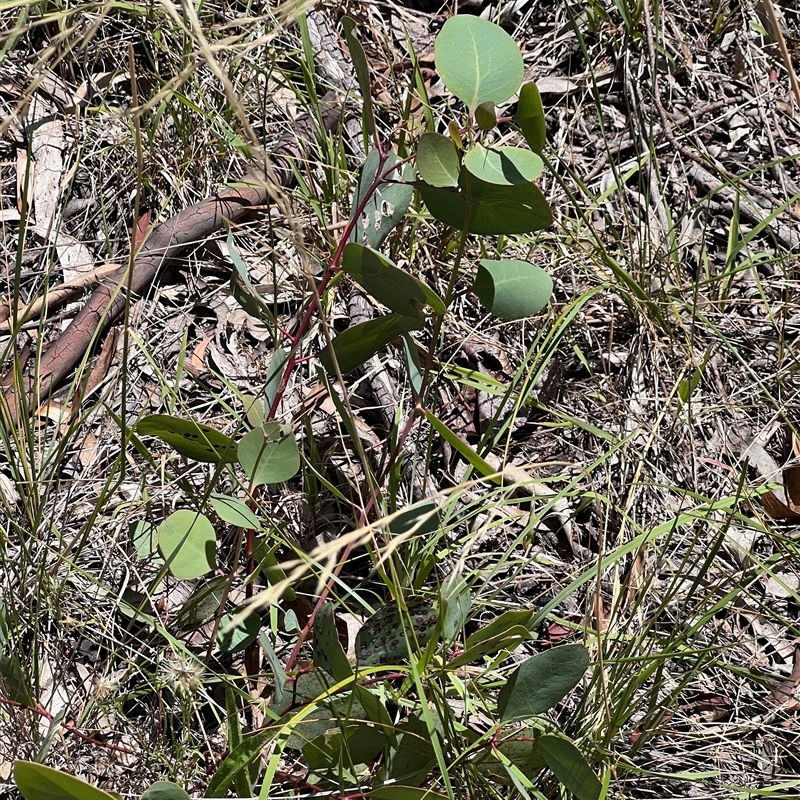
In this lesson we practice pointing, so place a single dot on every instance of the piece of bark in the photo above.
(168, 241)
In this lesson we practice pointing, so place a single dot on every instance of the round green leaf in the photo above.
(190, 438)
(269, 454)
(382, 640)
(530, 117)
(505, 166)
(188, 544)
(38, 782)
(437, 160)
(478, 61)
(537, 684)
(512, 289)
(164, 790)
(360, 342)
(234, 636)
(388, 284)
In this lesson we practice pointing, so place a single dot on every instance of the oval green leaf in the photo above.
(328, 652)
(164, 790)
(382, 640)
(512, 289)
(190, 438)
(234, 636)
(269, 454)
(360, 342)
(477, 60)
(234, 511)
(530, 117)
(188, 544)
(537, 684)
(504, 166)
(569, 766)
(38, 782)
(437, 160)
(388, 284)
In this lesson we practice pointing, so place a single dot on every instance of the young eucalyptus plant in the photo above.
(337, 714)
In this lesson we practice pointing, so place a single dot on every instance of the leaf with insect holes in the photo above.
(188, 544)
(38, 782)
(437, 160)
(269, 454)
(530, 117)
(570, 767)
(504, 166)
(388, 284)
(539, 683)
(512, 289)
(477, 60)
(360, 342)
(382, 640)
(190, 438)
(386, 206)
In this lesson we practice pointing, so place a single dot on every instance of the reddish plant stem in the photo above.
(68, 726)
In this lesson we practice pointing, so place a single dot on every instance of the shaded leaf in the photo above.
(424, 514)
(359, 63)
(188, 544)
(486, 116)
(360, 342)
(530, 117)
(397, 792)
(238, 759)
(164, 790)
(202, 604)
(477, 60)
(504, 166)
(437, 160)
(328, 652)
(190, 438)
(235, 635)
(144, 535)
(386, 207)
(506, 632)
(521, 750)
(455, 601)
(512, 289)
(269, 454)
(537, 684)
(414, 756)
(569, 766)
(388, 284)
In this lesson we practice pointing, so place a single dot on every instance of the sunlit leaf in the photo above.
(188, 544)
(233, 511)
(437, 160)
(569, 766)
(477, 60)
(269, 454)
(38, 782)
(504, 166)
(164, 790)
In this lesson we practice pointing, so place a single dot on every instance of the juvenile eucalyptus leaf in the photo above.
(359, 61)
(506, 632)
(386, 207)
(414, 756)
(234, 511)
(234, 635)
(164, 790)
(570, 767)
(490, 209)
(521, 749)
(328, 652)
(512, 289)
(360, 342)
(190, 438)
(455, 601)
(537, 684)
(202, 604)
(38, 782)
(437, 160)
(382, 640)
(269, 454)
(505, 166)
(530, 117)
(388, 284)
(477, 60)
(485, 116)
(188, 544)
